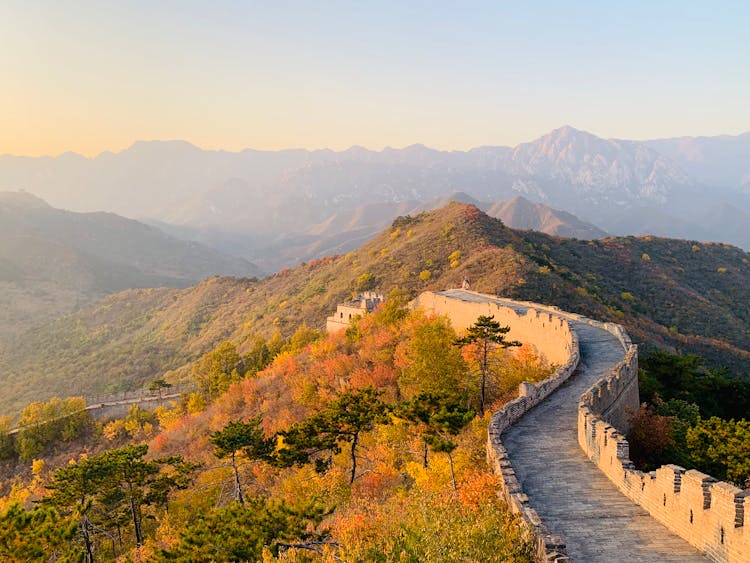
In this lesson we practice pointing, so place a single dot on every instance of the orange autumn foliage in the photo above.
(476, 487)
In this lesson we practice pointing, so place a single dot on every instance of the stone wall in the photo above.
(712, 516)
(345, 312)
(549, 547)
(116, 405)
(545, 330)
(342, 317)
(109, 410)
(551, 335)
(110, 407)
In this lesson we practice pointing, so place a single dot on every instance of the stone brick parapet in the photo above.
(712, 516)
(542, 327)
(549, 547)
(117, 405)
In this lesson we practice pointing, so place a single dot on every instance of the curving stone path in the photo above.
(573, 498)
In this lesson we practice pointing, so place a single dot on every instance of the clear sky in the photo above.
(90, 76)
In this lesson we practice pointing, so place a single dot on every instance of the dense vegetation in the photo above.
(677, 295)
(360, 446)
(693, 416)
(367, 445)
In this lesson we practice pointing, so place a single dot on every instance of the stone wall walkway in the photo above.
(573, 498)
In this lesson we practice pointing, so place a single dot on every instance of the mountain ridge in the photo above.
(520, 213)
(265, 196)
(673, 294)
(360, 148)
(52, 260)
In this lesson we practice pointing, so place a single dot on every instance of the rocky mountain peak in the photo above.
(600, 169)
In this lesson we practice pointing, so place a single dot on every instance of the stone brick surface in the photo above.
(571, 495)
(605, 511)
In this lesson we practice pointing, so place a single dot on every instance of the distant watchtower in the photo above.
(345, 312)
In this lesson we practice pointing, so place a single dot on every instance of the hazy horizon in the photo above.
(359, 145)
(90, 77)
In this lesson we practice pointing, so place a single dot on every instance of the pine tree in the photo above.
(240, 533)
(241, 438)
(441, 417)
(106, 491)
(342, 421)
(488, 333)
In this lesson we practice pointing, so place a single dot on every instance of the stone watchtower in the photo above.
(364, 303)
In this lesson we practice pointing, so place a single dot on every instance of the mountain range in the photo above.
(52, 261)
(673, 294)
(277, 208)
(715, 161)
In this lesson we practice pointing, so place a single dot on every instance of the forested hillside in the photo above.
(365, 445)
(52, 260)
(680, 295)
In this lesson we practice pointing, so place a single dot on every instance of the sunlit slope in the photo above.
(52, 260)
(675, 294)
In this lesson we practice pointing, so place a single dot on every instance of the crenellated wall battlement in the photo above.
(712, 516)
(550, 547)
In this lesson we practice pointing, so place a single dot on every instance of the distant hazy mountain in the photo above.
(721, 161)
(52, 260)
(146, 180)
(276, 208)
(568, 164)
(520, 213)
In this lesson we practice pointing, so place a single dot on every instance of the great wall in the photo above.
(564, 463)
(116, 405)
